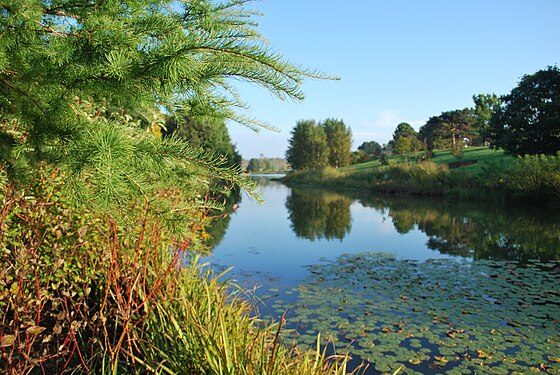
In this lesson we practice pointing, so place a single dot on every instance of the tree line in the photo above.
(265, 165)
(523, 122)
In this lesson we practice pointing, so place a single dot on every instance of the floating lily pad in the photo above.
(484, 316)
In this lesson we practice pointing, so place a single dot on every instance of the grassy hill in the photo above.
(481, 173)
(484, 157)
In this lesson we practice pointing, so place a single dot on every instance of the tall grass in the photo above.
(80, 293)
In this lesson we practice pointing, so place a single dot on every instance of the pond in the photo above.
(435, 285)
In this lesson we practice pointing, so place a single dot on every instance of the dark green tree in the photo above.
(448, 129)
(210, 135)
(403, 129)
(307, 147)
(339, 142)
(371, 148)
(528, 122)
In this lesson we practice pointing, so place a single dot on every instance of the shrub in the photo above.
(536, 177)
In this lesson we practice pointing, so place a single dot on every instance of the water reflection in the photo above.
(467, 229)
(316, 214)
(477, 230)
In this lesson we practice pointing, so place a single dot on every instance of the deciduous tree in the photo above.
(405, 139)
(307, 147)
(485, 106)
(339, 142)
(528, 122)
(372, 148)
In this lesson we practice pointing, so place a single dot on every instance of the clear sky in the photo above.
(398, 60)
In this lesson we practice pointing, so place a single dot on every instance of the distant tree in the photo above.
(360, 156)
(444, 130)
(339, 142)
(528, 122)
(458, 124)
(405, 139)
(403, 129)
(485, 106)
(403, 145)
(268, 165)
(371, 148)
(254, 165)
(209, 134)
(307, 148)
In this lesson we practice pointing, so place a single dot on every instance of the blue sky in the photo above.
(398, 60)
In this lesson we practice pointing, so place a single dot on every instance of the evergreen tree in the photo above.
(72, 73)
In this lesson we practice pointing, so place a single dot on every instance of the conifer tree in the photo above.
(74, 74)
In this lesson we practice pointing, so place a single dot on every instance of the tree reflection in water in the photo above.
(480, 230)
(316, 214)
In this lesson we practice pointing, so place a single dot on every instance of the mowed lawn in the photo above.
(484, 157)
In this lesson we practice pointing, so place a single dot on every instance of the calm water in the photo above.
(403, 281)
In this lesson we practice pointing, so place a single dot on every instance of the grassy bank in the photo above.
(481, 173)
(80, 293)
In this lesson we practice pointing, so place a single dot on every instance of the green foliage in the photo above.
(536, 177)
(485, 106)
(316, 145)
(371, 148)
(445, 130)
(308, 146)
(405, 139)
(73, 74)
(210, 135)
(339, 142)
(528, 122)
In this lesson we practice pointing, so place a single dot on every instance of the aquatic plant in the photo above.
(440, 315)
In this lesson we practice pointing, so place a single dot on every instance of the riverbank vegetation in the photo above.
(80, 292)
(101, 210)
(482, 173)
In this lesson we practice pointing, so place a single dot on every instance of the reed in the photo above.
(80, 293)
